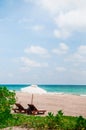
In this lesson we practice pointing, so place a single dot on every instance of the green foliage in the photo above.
(49, 122)
(60, 113)
(81, 123)
(7, 99)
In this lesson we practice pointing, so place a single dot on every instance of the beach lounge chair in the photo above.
(19, 108)
(35, 111)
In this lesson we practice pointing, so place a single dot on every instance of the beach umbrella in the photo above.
(33, 89)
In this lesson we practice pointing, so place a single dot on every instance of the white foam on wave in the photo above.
(82, 94)
(60, 93)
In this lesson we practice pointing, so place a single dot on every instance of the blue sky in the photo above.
(43, 41)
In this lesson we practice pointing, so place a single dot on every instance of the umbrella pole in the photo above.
(32, 99)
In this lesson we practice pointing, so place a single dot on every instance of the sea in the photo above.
(50, 88)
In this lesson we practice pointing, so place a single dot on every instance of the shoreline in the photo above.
(54, 93)
(70, 104)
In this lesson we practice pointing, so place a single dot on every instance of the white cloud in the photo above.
(37, 27)
(62, 49)
(73, 20)
(82, 50)
(63, 46)
(55, 6)
(31, 63)
(78, 56)
(67, 15)
(60, 69)
(37, 50)
(61, 33)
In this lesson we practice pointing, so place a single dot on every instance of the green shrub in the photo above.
(7, 99)
(81, 123)
(49, 122)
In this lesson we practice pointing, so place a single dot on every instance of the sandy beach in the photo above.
(73, 105)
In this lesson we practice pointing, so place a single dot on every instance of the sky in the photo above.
(43, 41)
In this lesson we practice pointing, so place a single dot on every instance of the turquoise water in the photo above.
(68, 89)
